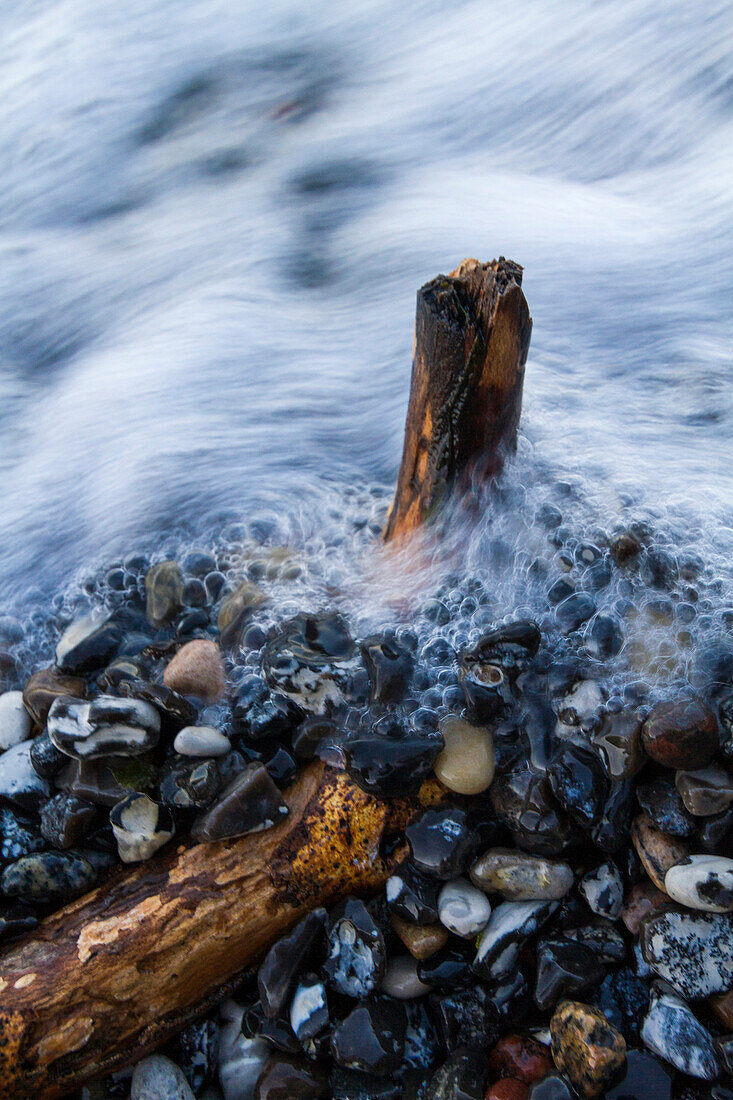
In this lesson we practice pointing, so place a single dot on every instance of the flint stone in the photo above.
(48, 877)
(692, 951)
(510, 924)
(521, 877)
(19, 782)
(88, 644)
(707, 791)
(140, 827)
(672, 1031)
(249, 804)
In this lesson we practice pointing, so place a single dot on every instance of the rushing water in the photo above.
(214, 218)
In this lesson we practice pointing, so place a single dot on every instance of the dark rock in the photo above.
(306, 660)
(164, 587)
(715, 832)
(16, 919)
(390, 759)
(623, 998)
(175, 711)
(260, 714)
(560, 590)
(663, 805)
(564, 969)
(510, 925)
(601, 936)
(522, 800)
(287, 1078)
(466, 1017)
(65, 819)
(350, 1084)
(18, 836)
(309, 1009)
(198, 1052)
(461, 1077)
(707, 791)
(440, 842)
(605, 637)
(521, 1058)
(371, 1038)
(446, 967)
(413, 896)
(105, 782)
(624, 548)
(88, 644)
(279, 971)
(356, 952)
(578, 782)
(389, 666)
(188, 785)
(48, 877)
(552, 1087)
(612, 830)
(574, 611)
(282, 768)
(250, 803)
(19, 782)
(510, 647)
(46, 685)
(681, 735)
(645, 1077)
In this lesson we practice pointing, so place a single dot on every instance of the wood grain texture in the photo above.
(472, 333)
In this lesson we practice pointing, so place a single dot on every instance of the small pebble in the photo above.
(140, 827)
(518, 876)
(249, 804)
(164, 586)
(401, 979)
(657, 851)
(15, 721)
(19, 782)
(681, 735)
(157, 1078)
(707, 791)
(463, 909)
(603, 890)
(197, 669)
(422, 941)
(702, 882)
(201, 741)
(466, 763)
(586, 1047)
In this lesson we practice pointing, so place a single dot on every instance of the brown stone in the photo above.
(642, 899)
(722, 1006)
(657, 851)
(520, 1057)
(586, 1047)
(46, 685)
(707, 791)
(421, 941)
(164, 590)
(507, 1089)
(681, 735)
(247, 597)
(197, 669)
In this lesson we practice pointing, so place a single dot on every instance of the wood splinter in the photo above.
(111, 976)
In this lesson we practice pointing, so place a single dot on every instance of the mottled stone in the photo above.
(197, 669)
(48, 877)
(672, 1031)
(19, 836)
(603, 890)
(466, 763)
(422, 941)
(682, 735)
(250, 803)
(702, 882)
(157, 1078)
(518, 876)
(141, 826)
(619, 742)
(164, 588)
(585, 1047)
(107, 726)
(198, 1052)
(663, 805)
(520, 1057)
(15, 721)
(657, 851)
(463, 909)
(580, 705)
(692, 951)
(201, 741)
(309, 659)
(707, 791)
(19, 782)
(65, 819)
(356, 951)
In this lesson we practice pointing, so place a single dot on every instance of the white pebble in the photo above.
(15, 721)
(201, 741)
(702, 882)
(157, 1078)
(463, 909)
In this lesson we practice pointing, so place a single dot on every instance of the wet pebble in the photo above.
(663, 805)
(46, 685)
(702, 882)
(107, 726)
(356, 952)
(603, 890)
(19, 836)
(707, 791)
(579, 783)
(278, 972)
(140, 827)
(88, 644)
(586, 1047)
(574, 611)
(618, 739)
(65, 820)
(461, 1077)
(287, 1078)
(564, 968)
(466, 763)
(672, 1031)
(422, 941)
(309, 1009)
(19, 781)
(463, 909)
(681, 735)
(401, 979)
(15, 721)
(518, 876)
(440, 841)
(510, 924)
(371, 1038)
(657, 851)
(520, 1057)
(197, 669)
(692, 951)
(201, 741)
(413, 896)
(164, 588)
(48, 877)
(248, 804)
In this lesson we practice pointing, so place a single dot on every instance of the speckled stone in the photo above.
(518, 876)
(692, 951)
(603, 890)
(672, 1031)
(19, 782)
(48, 877)
(157, 1078)
(197, 669)
(657, 851)
(466, 763)
(682, 735)
(586, 1047)
(702, 882)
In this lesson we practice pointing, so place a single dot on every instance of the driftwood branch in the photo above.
(113, 975)
(472, 331)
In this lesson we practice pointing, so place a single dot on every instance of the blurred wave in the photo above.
(213, 223)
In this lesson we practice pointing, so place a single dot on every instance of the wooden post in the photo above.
(472, 332)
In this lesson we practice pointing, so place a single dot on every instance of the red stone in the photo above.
(521, 1058)
(507, 1089)
(681, 735)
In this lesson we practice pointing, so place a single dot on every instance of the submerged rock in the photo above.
(88, 644)
(250, 803)
(164, 590)
(309, 659)
(390, 667)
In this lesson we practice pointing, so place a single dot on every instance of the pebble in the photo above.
(412, 896)
(46, 685)
(260, 714)
(107, 726)
(48, 877)
(287, 1078)
(197, 669)
(422, 941)
(19, 782)
(578, 782)
(308, 1009)
(518, 876)
(510, 924)
(692, 951)
(241, 1060)
(278, 972)
(466, 763)
(461, 1077)
(553, 1087)
(390, 667)
(672, 1031)
(140, 826)
(157, 1078)
(463, 909)
(681, 735)
(198, 1052)
(190, 784)
(643, 899)
(309, 659)
(522, 800)
(589, 1050)
(201, 741)
(240, 603)
(581, 704)
(356, 953)
(18, 836)
(390, 760)
(603, 890)
(65, 820)
(401, 979)
(15, 721)
(507, 1089)
(644, 1077)
(564, 968)
(605, 638)
(662, 804)
(105, 782)
(371, 1038)
(657, 851)
(250, 803)
(521, 1058)
(164, 588)
(440, 841)
(88, 644)
(702, 882)
(618, 740)
(707, 791)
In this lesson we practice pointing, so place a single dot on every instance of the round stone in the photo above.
(681, 735)
(702, 882)
(466, 763)
(157, 1078)
(201, 741)
(463, 909)
(586, 1047)
(197, 669)
(518, 876)
(401, 979)
(15, 721)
